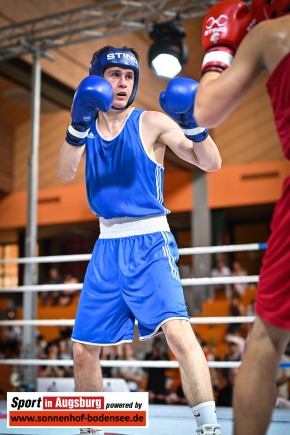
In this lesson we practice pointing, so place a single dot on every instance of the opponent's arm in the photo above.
(93, 93)
(219, 94)
(191, 143)
(224, 27)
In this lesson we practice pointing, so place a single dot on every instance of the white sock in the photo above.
(205, 413)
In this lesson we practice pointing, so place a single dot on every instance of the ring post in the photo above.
(30, 269)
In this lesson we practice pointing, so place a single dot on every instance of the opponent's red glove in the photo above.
(224, 27)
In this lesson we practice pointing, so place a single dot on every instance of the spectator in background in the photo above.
(251, 308)
(111, 353)
(51, 297)
(236, 309)
(210, 351)
(236, 345)
(157, 376)
(225, 394)
(65, 297)
(53, 371)
(65, 331)
(65, 334)
(13, 341)
(239, 289)
(134, 376)
(65, 352)
(2, 348)
(220, 271)
(41, 344)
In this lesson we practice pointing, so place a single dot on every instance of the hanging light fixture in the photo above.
(168, 53)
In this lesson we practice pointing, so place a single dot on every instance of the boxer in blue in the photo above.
(133, 274)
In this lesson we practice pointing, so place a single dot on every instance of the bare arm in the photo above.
(203, 154)
(68, 161)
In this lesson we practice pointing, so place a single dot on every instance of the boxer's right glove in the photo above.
(178, 102)
(93, 93)
(224, 27)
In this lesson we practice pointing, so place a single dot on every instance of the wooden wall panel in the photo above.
(251, 184)
(52, 132)
(234, 186)
(21, 156)
(65, 204)
(6, 156)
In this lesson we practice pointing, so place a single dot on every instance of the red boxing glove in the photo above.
(224, 27)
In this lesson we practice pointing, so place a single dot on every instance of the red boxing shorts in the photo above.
(273, 296)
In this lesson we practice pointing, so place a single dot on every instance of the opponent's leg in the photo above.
(195, 376)
(87, 374)
(255, 388)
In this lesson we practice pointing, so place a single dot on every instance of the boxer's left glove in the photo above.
(93, 93)
(178, 102)
(224, 26)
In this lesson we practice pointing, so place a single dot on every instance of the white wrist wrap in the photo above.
(193, 131)
(76, 133)
(218, 56)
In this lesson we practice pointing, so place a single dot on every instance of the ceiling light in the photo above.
(168, 53)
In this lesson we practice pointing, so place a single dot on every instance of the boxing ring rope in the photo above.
(70, 322)
(181, 251)
(184, 281)
(122, 363)
(117, 363)
(78, 286)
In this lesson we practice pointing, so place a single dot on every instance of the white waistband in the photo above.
(125, 227)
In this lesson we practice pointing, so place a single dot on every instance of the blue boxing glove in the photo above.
(178, 102)
(93, 93)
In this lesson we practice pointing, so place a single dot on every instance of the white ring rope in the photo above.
(222, 248)
(184, 282)
(182, 251)
(193, 321)
(42, 287)
(48, 259)
(220, 280)
(121, 363)
(114, 363)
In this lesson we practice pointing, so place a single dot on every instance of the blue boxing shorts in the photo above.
(132, 275)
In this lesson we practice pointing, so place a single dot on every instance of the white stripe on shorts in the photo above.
(171, 259)
(126, 227)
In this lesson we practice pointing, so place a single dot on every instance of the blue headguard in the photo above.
(116, 57)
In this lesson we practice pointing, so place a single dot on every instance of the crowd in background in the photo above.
(59, 297)
(164, 385)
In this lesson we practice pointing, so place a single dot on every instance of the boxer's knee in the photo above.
(180, 336)
(81, 352)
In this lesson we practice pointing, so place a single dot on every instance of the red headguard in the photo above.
(267, 9)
